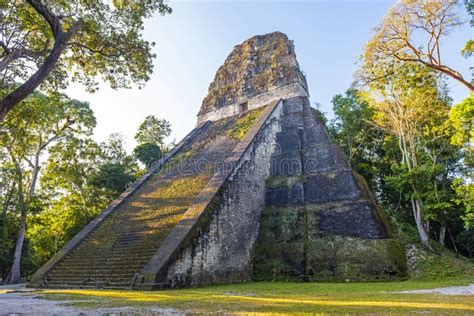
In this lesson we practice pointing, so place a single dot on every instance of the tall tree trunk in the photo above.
(34, 177)
(452, 240)
(4, 249)
(409, 155)
(420, 225)
(14, 275)
(442, 233)
(416, 202)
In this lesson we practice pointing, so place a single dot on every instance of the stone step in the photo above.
(137, 241)
(79, 285)
(93, 279)
(92, 272)
(101, 265)
(112, 256)
(123, 258)
(78, 268)
(81, 266)
(130, 251)
(134, 248)
(141, 245)
(133, 235)
(88, 270)
(85, 280)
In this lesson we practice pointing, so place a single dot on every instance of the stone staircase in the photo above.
(113, 254)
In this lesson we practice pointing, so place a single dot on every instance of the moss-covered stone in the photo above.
(355, 259)
(382, 215)
(245, 123)
(279, 261)
(282, 224)
(282, 181)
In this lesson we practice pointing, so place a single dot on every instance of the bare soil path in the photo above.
(451, 290)
(16, 300)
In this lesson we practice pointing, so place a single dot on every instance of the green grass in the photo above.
(285, 297)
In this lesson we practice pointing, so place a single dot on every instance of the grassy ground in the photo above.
(282, 297)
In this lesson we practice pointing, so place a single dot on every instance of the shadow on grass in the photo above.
(281, 297)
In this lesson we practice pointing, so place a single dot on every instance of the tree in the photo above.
(117, 169)
(7, 204)
(461, 118)
(411, 33)
(352, 121)
(153, 131)
(468, 49)
(353, 130)
(466, 240)
(114, 151)
(69, 202)
(408, 106)
(80, 40)
(148, 154)
(112, 177)
(465, 197)
(28, 131)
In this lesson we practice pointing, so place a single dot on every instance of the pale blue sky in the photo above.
(194, 40)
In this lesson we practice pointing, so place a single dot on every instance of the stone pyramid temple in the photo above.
(256, 191)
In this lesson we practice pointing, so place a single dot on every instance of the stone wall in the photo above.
(222, 249)
(288, 91)
(319, 223)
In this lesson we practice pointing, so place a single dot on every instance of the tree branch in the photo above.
(61, 40)
(50, 17)
(5, 47)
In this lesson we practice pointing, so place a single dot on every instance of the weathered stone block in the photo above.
(286, 164)
(282, 224)
(279, 261)
(353, 219)
(331, 186)
(293, 106)
(289, 140)
(318, 157)
(317, 135)
(286, 195)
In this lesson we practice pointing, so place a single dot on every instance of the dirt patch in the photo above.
(32, 304)
(452, 290)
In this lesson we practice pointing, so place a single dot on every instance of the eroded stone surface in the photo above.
(260, 64)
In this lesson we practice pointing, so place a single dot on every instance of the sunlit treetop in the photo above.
(412, 32)
(54, 42)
